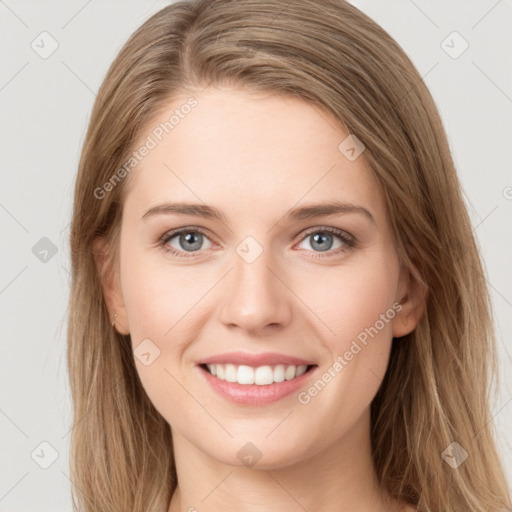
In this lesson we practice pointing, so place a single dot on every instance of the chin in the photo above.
(259, 454)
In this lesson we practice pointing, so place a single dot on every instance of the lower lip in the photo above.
(252, 394)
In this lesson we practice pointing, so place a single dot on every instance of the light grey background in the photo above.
(45, 109)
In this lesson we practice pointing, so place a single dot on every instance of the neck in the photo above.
(340, 478)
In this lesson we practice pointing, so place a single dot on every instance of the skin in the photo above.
(254, 156)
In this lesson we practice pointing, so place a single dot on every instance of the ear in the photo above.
(412, 296)
(111, 285)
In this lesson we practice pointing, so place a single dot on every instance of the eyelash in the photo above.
(348, 240)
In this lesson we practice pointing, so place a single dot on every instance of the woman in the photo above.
(277, 300)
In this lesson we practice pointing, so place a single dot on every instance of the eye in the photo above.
(188, 240)
(322, 240)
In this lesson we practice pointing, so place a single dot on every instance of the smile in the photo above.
(256, 385)
(260, 376)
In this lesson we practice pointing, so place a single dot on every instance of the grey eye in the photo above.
(322, 241)
(189, 241)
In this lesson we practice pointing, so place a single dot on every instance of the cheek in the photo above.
(350, 299)
(159, 297)
(159, 302)
(355, 306)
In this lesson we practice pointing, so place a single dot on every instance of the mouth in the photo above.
(265, 375)
(261, 385)
(255, 379)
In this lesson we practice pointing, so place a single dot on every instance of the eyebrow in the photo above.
(303, 212)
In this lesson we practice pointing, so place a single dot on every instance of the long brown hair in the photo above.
(436, 389)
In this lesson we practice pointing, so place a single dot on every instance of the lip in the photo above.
(262, 359)
(252, 394)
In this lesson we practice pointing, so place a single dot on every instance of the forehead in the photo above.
(244, 150)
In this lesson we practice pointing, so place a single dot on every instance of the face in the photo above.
(296, 305)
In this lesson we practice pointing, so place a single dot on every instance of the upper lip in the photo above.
(263, 359)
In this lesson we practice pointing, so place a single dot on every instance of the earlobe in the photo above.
(111, 286)
(413, 303)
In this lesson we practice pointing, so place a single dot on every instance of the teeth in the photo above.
(261, 376)
(245, 375)
(300, 370)
(279, 373)
(230, 373)
(289, 374)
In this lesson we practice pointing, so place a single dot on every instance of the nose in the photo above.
(255, 296)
